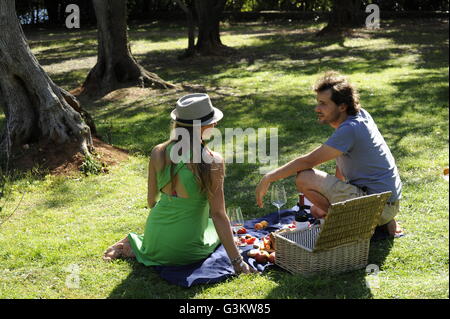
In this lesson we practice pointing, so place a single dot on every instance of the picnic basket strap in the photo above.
(350, 221)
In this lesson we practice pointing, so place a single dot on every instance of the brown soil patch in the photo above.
(66, 161)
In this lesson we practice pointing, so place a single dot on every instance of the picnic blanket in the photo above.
(217, 266)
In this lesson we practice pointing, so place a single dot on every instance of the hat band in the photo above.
(204, 118)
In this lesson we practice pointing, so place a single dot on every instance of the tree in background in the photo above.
(37, 111)
(115, 64)
(344, 15)
(208, 14)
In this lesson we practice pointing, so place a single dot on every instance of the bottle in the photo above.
(301, 216)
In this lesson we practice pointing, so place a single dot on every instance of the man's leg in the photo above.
(323, 190)
(310, 182)
(387, 218)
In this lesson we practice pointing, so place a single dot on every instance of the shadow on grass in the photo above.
(350, 285)
(291, 50)
(426, 93)
(145, 283)
(308, 54)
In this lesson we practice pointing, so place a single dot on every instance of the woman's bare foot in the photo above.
(121, 249)
(113, 252)
(127, 251)
(394, 229)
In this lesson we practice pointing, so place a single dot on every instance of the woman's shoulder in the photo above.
(159, 148)
(157, 155)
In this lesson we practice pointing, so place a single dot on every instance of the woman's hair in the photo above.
(342, 91)
(202, 170)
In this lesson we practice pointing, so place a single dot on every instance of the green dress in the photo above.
(178, 230)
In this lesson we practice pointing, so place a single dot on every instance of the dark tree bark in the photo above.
(37, 111)
(116, 66)
(208, 13)
(344, 15)
(191, 27)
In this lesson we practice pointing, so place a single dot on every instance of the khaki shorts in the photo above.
(336, 191)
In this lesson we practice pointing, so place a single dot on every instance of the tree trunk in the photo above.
(209, 13)
(36, 109)
(345, 14)
(191, 28)
(116, 66)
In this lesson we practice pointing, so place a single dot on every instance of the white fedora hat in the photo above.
(196, 107)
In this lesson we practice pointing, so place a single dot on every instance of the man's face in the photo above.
(327, 111)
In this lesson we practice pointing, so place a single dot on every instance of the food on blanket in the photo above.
(267, 244)
(252, 253)
(262, 257)
(261, 225)
(251, 240)
(272, 258)
(265, 223)
(248, 236)
(258, 226)
(242, 240)
(242, 231)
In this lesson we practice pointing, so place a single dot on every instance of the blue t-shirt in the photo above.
(366, 159)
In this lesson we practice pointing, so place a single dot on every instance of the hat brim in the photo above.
(218, 115)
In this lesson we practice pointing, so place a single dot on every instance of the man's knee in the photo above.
(303, 179)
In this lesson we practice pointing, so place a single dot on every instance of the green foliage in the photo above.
(91, 166)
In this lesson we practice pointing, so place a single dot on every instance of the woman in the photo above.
(178, 230)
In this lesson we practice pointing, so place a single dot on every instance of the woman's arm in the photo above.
(152, 193)
(220, 218)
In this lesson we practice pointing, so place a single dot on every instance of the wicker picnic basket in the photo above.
(340, 244)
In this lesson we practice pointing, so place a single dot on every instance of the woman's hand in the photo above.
(243, 268)
(261, 190)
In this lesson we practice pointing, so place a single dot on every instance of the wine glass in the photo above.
(278, 199)
(236, 222)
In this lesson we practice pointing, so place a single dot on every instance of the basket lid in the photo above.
(351, 220)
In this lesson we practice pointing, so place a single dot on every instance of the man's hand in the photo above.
(261, 190)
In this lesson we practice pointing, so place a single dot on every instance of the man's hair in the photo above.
(342, 91)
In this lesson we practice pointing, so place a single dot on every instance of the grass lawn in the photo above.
(401, 71)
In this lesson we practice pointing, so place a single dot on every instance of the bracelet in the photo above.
(237, 260)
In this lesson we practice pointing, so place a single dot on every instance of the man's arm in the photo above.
(320, 155)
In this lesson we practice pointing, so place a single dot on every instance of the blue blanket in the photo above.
(217, 266)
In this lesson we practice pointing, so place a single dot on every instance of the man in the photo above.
(364, 163)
